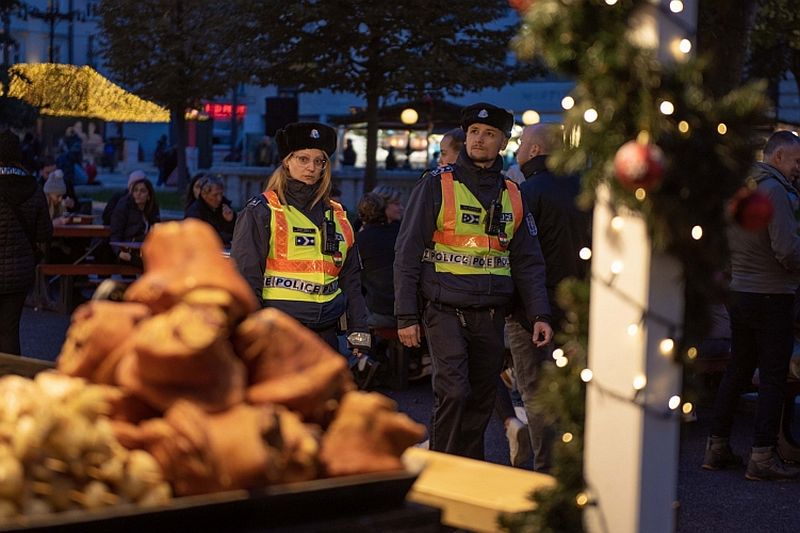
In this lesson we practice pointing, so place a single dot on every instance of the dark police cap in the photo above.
(484, 113)
(302, 135)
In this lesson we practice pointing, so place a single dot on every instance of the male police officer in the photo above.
(466, 240)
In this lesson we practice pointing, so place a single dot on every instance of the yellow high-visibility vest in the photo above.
(461, 245)
(296, 268)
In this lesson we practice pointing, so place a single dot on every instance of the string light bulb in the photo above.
(685, 46)
(722, 128)
(558, 353)
(676, 6)
(617, 223)
(586, 375)
(617, 267)
(697, 232)
(590, 115)
(640, 194)
(567, 437)
(632, 329)
(568, 102)
(611, 2)
(581, 499)
(585, 253)
(639, 382)
(674, 402)
(561, 362)
(666, 107)
(687, 408)
(666, 346)
(683, 126)
(691, 353)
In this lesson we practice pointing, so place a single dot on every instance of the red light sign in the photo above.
(224, 111)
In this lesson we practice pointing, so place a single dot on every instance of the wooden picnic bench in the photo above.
(66, 275)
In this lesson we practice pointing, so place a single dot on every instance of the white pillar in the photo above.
(631, 451)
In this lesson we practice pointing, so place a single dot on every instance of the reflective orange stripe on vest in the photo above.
(447, 235)
(281, 261)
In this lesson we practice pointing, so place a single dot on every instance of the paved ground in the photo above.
(709, 501)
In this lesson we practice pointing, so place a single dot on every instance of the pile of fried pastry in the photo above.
(222, 394)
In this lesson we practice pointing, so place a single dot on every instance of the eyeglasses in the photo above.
(319, 162)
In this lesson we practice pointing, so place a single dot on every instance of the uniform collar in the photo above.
(534, 166)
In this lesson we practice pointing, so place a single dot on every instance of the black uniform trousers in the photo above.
(466, 347)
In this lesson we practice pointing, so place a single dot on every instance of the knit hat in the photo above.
(136, 175)
(484, 113)
(10, 148)
(55, 183)
(302, 135)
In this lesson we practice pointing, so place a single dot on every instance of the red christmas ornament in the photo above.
(521, 5)
(751, 209)
(639, 165)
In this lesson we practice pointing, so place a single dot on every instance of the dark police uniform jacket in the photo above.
(412, 277)
(250, 247)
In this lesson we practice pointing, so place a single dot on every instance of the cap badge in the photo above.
(314, 134)
(483, 113)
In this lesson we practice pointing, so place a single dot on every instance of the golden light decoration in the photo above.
(558, 353)
(530, 117)
(632, 329)
(639, 382)
(676, 6)
(617, 266)
(722, 128)
(585, 253)
(697, 232)
(692, 353)
(685, 46)
(581, 499)
(561, 362)
(75, 91)
(640, 194)
(666, 107)
(666, 346)
(617, 223)
(586, 375)
(590, 115)
(567, 437)
(568, 102)
(611, 2)
(683, 126)
(409, 116)
(687, 408)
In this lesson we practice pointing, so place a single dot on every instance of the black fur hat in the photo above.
(484, 113)
(302, 135)
(10, 148)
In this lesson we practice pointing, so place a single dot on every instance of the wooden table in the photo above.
(81, 230)
(471, 494)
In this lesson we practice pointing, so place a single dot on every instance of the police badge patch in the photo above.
(314, 134)
(531, 223)
(483, 113)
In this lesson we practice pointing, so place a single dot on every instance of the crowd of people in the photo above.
(468, 268)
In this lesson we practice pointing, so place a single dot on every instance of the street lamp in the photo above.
(408, 117)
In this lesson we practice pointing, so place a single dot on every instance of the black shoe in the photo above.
(765, 465)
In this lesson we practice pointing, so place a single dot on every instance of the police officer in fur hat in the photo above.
(295, 246)
(466, 242)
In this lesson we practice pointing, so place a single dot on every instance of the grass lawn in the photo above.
(169, 200)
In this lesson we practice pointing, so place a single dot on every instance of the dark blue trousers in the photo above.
(761, 337)
(10, 312)
(466, 356)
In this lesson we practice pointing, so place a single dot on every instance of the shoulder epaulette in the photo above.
(256, 200)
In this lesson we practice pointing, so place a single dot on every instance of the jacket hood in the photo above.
(16, 185)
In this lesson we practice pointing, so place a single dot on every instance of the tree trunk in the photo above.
(723, 33)
(178, 118)
(371, 172)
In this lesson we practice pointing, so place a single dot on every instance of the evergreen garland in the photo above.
(708, 145)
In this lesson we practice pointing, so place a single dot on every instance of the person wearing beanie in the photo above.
(24, 227)
(134, 177)
(295, 246)
(467, 240)
(55, 188)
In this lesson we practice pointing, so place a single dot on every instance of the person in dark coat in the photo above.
(24, 226)
(209, 208)
(280, 245)
(133, 218)
(463, 265)
(563, 230)
(134, 177)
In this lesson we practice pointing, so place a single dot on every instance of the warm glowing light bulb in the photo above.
(666, 346)
(640, 194)
(617, 266)
(558, 353)
(566, 437)
(722, 128)
(676, 6)
(590, 115)
(585, 253)
(617, 223)
(683, 126)
(530, 117)
(568, 102)
(586, 375)
(409, 116)
(667, 107)
(697, 232)
(582, 499)
(633, 329)
(611, 2)
(687, 408)
(692, 353)
(685, 46)
(561, 362)
(674, 402)
(639, 382)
